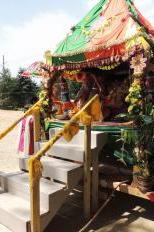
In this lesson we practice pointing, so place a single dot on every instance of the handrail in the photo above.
(35, 169)
(10, 128)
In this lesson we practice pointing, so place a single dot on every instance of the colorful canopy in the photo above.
(112, 31)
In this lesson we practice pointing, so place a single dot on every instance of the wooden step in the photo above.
(18, 184)
(15, 212)
(74, 150)
(98, 139)
(67, 151)
(52, 196)
(67, 172)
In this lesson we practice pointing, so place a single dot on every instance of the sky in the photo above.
(30, 27)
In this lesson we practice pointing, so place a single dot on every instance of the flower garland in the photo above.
(109, 67)
(135, 96)
(138, 63)
(45, 100)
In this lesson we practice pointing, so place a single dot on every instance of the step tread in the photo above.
(57, 163)
(77, 147)
(64, 145)
(46, 186)
(17, 206)
(66, 172)
(60, 164)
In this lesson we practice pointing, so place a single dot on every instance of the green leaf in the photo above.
(125, 157)
(147, 119)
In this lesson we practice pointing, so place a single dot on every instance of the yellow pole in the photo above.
(10, 128)
(35, 197)
(87, 173)
(35, 170)
(37, 125)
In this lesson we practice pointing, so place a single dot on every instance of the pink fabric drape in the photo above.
(26, 137)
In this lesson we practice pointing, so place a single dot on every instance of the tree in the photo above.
(16, 92)
(6, 83)
(25, 91)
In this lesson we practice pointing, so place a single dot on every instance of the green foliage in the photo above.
(125, 157)
(6, 83)
(138, 143)
(16, 92)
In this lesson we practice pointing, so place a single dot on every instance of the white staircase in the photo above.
(62, 170)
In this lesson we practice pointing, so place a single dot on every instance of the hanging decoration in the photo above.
(138, 63)
(109, 67)
(95, 29)
(135, 96)
(71, 74)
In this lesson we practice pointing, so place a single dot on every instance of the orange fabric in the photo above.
(105, 53)
(70, 131)
(114, 25)
(60, 105)
(67, 106)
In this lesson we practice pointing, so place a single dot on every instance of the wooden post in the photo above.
(35, 206)
(37, 125)
(87, 173)
(95, 180)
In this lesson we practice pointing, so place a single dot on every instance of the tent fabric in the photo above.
(103, 33)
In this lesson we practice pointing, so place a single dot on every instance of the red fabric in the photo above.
(151, 197)
(119, 19)
(105, 53)
(67, 106)
(31, 130)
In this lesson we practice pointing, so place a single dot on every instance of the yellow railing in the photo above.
(28, 112)
(35, 166)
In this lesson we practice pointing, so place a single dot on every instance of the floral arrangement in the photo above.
(45, 100)
(135, 97)
(138, 63)
(138, 143)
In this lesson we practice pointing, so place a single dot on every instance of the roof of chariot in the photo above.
(113, 30)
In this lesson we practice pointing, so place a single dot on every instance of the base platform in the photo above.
(110, 127)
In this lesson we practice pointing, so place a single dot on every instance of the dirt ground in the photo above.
(123, 214)
(8, 145)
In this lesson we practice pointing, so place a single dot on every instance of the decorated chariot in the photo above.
(99, 80)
